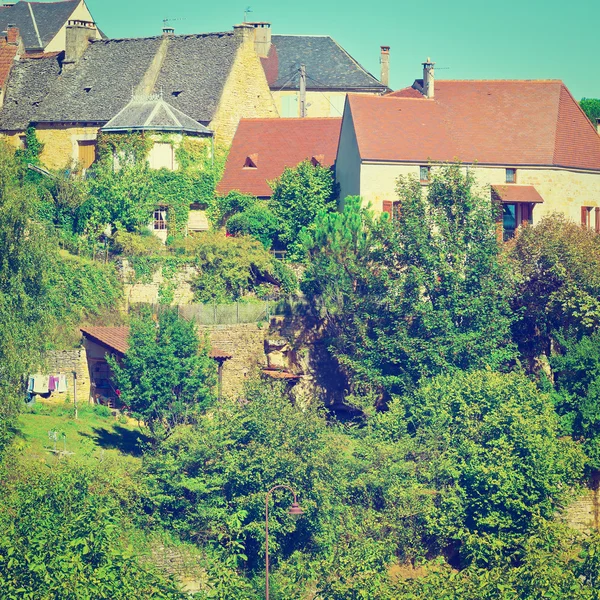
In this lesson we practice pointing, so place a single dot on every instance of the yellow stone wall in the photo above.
(13, 139)
(319, 104)
(246, 93)
(563, 190)
(60, 143)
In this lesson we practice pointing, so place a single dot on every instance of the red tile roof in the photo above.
(277, 144)
(516, 193)
(409, 92)
(489, 122)
(117, 339)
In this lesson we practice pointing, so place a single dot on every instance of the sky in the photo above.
(467, 39)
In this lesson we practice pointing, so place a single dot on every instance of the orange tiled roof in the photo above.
(489, 122)
(276, 144)
(117, 340)
(517, 193)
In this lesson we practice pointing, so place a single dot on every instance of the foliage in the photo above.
(224, 207)
(591, 107)
(166, 377)
(299, 195)
(30, 154)
(577, 397)
(61, 536)
(488, 445)
(228, 268)
(424, 294)
(558, 269)
(257, 221)
(143, 243)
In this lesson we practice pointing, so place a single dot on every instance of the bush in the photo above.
(138, 244)
(257, 221)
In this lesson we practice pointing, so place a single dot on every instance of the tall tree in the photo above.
(167, 375)
(427, 294)
(591, 107)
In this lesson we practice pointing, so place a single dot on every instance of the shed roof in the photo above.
(536, 123)
(274, 145)
(47, 18)
(191, 78)
(153, 114)
(328, 65)
(117, 340)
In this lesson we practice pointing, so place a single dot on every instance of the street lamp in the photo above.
(294, 510)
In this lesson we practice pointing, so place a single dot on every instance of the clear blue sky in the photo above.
(526, 39)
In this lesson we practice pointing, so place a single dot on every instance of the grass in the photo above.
(96, 433)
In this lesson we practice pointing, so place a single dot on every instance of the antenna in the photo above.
(248, 10)
(167, 28)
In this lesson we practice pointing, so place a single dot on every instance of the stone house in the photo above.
(43, 25)
(528, 143)
(331, 73)
(263, 148)
(214, 78)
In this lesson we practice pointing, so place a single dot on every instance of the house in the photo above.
(263, 148)
(102, 341)
(330, 72)
(43, 25)
(214, 78)
(529, 144)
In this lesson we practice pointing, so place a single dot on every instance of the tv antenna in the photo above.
(169, 28)
(248, 10)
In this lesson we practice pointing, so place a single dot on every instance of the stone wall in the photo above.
(68, 362)
(60, 143)
(584, 514)
(246, 342)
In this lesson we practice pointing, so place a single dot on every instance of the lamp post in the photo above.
(295, 510)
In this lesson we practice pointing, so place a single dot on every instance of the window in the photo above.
(511, 176)
(162, 156)
(588, 221)
(424, 174)
(392, 208)
(160, 219)
(289, 105)
(86, 153)
(251, 162)
(515, 215)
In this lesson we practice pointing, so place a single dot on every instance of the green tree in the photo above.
(167, 376)
(299, 195)
(557, 264)
(420, 295)
(258, 221)
(591, 107)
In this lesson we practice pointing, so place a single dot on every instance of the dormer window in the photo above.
(251, 162)
(176, 93)
(424, 174)
(317, 161)
(511, 176)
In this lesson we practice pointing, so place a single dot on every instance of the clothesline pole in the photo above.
(75, 392)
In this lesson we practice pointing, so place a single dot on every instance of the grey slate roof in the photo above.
(101, 84)
(49, 17)
(153, 114)
(28, 84)
(328, 65)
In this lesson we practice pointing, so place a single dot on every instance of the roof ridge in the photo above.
(500, 81)
(287, 119)
(159, 37)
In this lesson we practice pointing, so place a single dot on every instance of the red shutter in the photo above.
(387, 207)
(584, 216)
(597, 220)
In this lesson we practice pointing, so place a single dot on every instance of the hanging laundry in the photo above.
(40, 383)
(62, 383)
(52, 383)
(30, 384)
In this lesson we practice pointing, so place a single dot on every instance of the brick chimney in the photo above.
(262, 38)
(428, 78)
(385, 65)
(79, 34)
(12, 35)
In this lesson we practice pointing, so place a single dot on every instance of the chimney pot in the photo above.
(385, 65)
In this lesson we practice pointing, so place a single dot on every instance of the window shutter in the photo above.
(584, 216)
(387, 207)
(87, 153)
(597, 220)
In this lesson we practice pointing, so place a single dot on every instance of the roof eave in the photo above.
(208, 132)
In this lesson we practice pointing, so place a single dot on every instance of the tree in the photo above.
(299, 194)
(420, 295)
(557, 264)
(591, 107)
(257, 221)
(167, 376)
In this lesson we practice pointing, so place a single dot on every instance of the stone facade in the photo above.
(246, 93)
(246, 343)
(69, 362)
(60, 144)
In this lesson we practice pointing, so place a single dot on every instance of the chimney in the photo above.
(168, 31)
(244, 32)
(79, 34)
(385, 65)
(428, 78)
(262, 38)
(12, 35)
